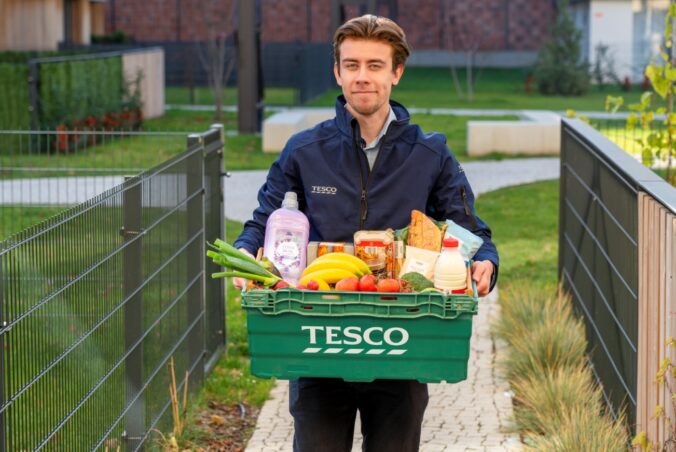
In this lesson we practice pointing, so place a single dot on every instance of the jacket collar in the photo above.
(344, 118)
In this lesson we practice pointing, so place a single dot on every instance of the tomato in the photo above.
(388, 285)
(367, 283)
(313, 285)
(348, 285)
(281, 284)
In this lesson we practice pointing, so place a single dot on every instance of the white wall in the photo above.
(611, 23)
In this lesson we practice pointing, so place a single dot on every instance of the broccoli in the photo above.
(417, 281)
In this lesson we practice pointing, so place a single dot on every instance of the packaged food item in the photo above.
(469, 242)
(317, 249)
(450, 272)
(286, 237)
(421, 261)
(424, 233)
(399, 254)
(376, 248)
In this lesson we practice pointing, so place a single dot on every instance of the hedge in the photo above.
(14, 112)
(70, 91)
(74, 90)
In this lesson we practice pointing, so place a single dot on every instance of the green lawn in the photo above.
(495, 89)
(180, 95)
(524, 220)
(433, 88)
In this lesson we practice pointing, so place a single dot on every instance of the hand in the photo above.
(482, 272)
(240, 283)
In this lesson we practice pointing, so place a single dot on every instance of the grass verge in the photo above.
(223, 415)
(557, 404)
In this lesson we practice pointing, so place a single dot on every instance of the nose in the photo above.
(362, 75)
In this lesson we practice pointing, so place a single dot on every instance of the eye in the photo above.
(350, 66)
(375, 66)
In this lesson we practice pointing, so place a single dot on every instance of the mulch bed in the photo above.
(222, 428)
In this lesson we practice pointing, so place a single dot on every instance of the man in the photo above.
(366, 169)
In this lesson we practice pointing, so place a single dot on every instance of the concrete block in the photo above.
(278, 128)
(537, 133)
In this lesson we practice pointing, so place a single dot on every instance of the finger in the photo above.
(483, 286)
(478, 270)
(239, 283)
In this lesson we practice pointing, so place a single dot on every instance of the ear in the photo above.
(336, 74)
(398, 72)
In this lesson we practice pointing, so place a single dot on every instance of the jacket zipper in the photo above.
(360, 150)
(363, 209)
(468, 211)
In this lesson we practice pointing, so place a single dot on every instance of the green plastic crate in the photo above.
(359, 336)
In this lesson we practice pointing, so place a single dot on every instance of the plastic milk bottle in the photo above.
(450, 272)
(286, 238)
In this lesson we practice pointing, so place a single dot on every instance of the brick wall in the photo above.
(429, 24)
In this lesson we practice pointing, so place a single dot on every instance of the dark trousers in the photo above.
(324, 411)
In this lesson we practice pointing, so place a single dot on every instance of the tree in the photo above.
(559, 68)
(659, 135)
(468, 40)
(213, 53)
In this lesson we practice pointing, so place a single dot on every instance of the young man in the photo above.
(366, 169)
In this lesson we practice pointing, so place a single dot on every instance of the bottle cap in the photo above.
(290, 200)
(450, 242)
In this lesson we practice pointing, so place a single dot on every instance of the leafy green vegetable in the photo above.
(417, 281)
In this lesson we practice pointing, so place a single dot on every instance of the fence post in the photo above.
(3, 323)
(133, 315)
(196, 253)
(34, 93)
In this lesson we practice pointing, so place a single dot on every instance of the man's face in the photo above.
(365, 75)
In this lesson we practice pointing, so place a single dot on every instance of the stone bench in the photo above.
(537, 132)
(278, 128)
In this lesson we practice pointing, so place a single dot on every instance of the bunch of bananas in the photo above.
(332, 267)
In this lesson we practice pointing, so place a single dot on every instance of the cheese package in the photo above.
(376, 248)
(421, 261)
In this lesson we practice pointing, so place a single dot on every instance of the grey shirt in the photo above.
(371, 149)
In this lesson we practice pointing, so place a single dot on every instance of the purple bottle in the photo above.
(286, 237)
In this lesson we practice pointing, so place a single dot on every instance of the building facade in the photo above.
(437, 29)
(44, 24)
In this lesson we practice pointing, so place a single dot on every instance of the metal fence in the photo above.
(304, 66)
(96, 301)
(600, 249)
(43, 173)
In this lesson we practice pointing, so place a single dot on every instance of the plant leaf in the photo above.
(641, 440)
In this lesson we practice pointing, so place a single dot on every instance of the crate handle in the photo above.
(331, 297)
(307, 306)
(389, 298)
(413, 310)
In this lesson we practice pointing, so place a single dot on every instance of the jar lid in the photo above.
(450, 242)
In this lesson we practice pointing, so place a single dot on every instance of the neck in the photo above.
(370, 125)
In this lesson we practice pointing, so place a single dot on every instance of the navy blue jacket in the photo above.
(329, 172)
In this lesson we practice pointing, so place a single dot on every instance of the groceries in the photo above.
(376, 248)
(450, 272)
(372, 268)
(420, 260)
(318, 249)
(286, 238)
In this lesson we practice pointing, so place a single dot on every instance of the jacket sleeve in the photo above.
(452, 198)
(282, 177)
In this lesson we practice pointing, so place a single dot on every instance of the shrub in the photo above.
(557, 404)
(543, 399)
(559, 69)
(582, 429)
(543, 336)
